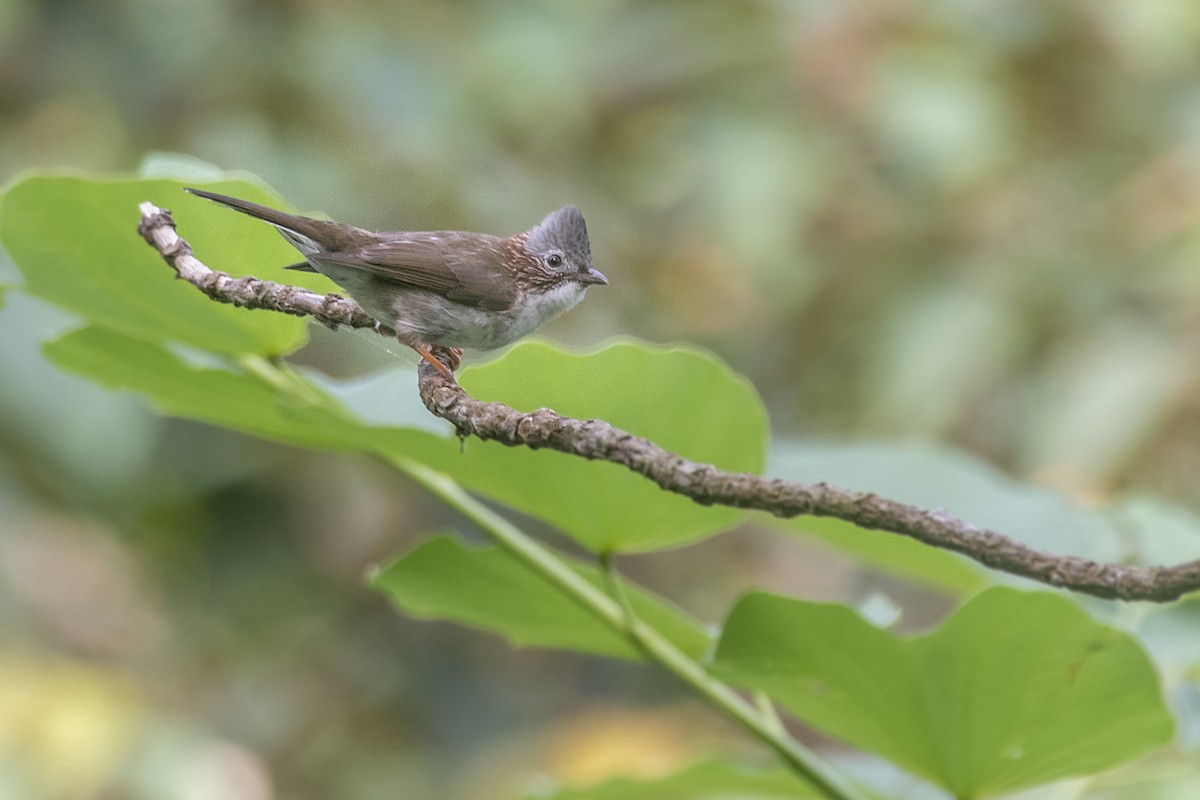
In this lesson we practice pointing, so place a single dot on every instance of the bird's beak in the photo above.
(593, 276)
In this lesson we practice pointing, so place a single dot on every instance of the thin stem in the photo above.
(767, 709)
(608, 564)
(618, 615)
(616, 587)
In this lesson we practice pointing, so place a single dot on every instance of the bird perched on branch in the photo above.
(445, 290)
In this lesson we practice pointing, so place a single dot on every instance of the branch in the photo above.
(158, 229)
(703, 483)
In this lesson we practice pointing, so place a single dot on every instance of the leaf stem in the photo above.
(767, 709)
(618, 614)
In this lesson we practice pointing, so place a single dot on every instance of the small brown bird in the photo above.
(445, 289)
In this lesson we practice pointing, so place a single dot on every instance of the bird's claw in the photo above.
(450, 356)
(444, 359)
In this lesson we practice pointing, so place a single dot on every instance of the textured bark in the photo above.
(158, 229)
(703, 483)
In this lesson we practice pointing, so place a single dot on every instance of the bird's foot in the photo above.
(444, 359)
(453, 354)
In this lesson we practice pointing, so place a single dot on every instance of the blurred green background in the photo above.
(958, 220)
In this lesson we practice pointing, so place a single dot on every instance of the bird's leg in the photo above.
(454, 354)
(433, 361)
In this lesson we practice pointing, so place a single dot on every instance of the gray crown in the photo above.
(564, 231)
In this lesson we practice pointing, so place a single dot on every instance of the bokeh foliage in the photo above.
(832, 669)
(965, 221)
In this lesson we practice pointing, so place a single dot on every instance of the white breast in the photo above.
(432, 319)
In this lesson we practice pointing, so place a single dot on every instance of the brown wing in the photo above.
(467, 268)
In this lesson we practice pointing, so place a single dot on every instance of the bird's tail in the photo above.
(279, 218)
(306, 234)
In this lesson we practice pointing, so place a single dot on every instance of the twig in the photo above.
(703, 483)
(707, 485)
(158, 229)
(618, 614)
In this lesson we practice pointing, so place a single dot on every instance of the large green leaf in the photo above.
(681, 398)
(99, 268)
(280, 406)
(229, 397)
(486, 588)
(1156, 532)
(1013, 690)
(75, 241)
(711, 780)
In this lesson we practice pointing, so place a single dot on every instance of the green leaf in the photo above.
(1155, 531)
(1169, 633)
(929, 476)
(1013, 690)
(97, 266)
(228, 397)
(683, 399)
(486, 588)
(76, 242)
(711, 780)
(253, 402)
(895, 555)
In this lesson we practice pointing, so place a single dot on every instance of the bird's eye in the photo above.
(554, 260)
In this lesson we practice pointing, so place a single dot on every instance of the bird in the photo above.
(445, 290)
